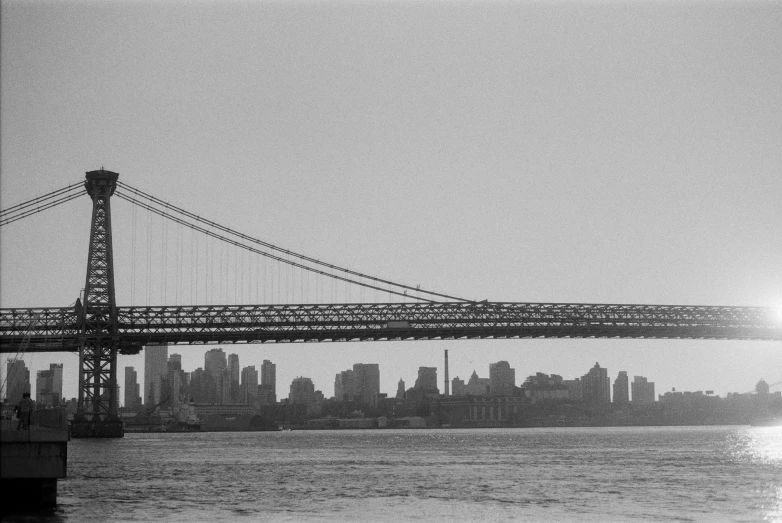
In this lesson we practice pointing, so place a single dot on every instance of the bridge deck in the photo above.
(58, 329)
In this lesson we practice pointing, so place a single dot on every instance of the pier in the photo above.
(32, 460)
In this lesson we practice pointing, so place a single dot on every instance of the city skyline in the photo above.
(327, 387)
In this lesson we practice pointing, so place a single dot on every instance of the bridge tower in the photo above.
(98, 402)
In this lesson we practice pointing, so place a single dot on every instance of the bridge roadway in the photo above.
(58, 329)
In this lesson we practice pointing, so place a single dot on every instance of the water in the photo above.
(562, 474)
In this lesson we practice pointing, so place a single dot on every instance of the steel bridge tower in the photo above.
(97, 316)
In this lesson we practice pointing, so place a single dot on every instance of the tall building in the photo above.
(269, 381)
(48, 385)
(249, 386)
(56, 369)
(174, 386)
(400, 390)
(457, 387)
(302, 391)
(621, 388)
(643, 391)
(199, 385)
(155, 373)
(502, 379)
(361, 385)
(596, 386)
(132, 396)
(427, 379)
(17, 380)
(216, 368)
(343, 386)
(233, 376)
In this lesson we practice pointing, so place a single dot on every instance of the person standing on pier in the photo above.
(25, 412)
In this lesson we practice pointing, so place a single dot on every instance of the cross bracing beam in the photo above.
(59, 329)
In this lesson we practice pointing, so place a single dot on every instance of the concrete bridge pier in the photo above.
(31, 462)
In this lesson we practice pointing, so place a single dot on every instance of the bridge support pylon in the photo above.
(97, 415)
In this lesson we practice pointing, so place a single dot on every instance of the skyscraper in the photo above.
(502, 379)
(249, 386)
(621, 388)
(269, 382)
(457, 387)
(596, 386)
(175, 380)
(132, 396)
(233, 376)
(343, 386)
(48, 385)
(400, 390)
(155, 373)
(216, 368)
(43, 388)
(362, 384)
(17, 380)
(302, 391)
(643, 391)
(56, 369)
(427, 379)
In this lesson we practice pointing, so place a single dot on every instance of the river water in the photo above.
(559, 474)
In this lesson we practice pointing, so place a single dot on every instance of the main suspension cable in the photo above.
(257, 251)
(12, 216)
(157, 201)
(39, 199)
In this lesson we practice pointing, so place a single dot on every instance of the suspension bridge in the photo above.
(100, 330)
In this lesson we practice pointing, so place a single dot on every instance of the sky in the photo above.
(542, 151)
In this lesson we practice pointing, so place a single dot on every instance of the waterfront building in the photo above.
(574, 389)
(233, 377)
(457, 387)
(621, 388)
(132, 389)
(249, 386)
(643, 391)
(475, 386)
(596, 385)
(155, 373)
(502, 378)
(427, 379)
(269, 381)
(541, 386)
(203, 410)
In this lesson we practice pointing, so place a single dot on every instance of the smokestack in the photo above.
(447, 390)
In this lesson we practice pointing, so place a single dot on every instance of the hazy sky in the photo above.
(597, 152)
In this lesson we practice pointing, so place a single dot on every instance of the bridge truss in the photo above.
(58, 329)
